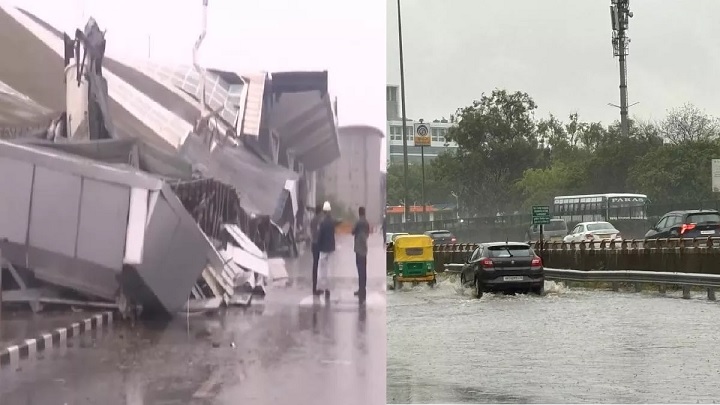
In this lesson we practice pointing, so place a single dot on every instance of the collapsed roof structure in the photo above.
(215, 149)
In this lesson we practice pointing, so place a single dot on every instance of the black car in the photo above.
(442, 237)
(686, 224)
(504, 267)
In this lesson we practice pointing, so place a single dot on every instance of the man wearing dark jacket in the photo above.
(314, 225)
(326, 247)
(361, 231)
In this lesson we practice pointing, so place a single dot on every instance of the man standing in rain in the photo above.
(361, 231)
(314, 225)
(326, 247)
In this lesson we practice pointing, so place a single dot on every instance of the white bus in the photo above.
(600, 207)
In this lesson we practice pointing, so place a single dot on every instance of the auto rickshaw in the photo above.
(413, 260)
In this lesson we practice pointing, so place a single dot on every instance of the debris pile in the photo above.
(99, 217)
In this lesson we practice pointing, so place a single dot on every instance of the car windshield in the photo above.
(554, 226)
(509, 251)
(600, 226)
(704, 218)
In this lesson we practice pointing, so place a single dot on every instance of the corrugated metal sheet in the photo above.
(260, 184)
(20, 116)
(41, 66)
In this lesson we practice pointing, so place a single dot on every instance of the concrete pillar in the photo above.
(638, 287)
(686, 292)
(711, 293)
(615, 287)
(662, 289)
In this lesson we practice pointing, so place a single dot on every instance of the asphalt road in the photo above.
(286, 349)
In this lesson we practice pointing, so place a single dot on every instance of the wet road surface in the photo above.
(285, 349)
(569, 346)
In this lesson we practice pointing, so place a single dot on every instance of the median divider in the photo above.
(699, 255)
(11, 355)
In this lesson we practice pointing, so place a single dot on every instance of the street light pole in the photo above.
(457, 204)
(404, 117)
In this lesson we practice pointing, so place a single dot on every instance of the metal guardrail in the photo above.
(667, 243)
(615, 277)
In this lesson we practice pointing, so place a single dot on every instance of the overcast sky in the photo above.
(558, 51)
(346, 37)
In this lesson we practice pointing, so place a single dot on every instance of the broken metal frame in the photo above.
(36, 298)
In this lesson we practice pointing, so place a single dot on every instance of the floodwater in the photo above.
(568, 346)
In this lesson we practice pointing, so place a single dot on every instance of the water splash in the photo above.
(449, 285)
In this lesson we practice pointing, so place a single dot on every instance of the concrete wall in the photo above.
(355, 178)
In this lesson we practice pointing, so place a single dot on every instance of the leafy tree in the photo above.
(497, 141)
(539, 186)
(676, 172)
(613, 157)
(436, 191)
(688, 123)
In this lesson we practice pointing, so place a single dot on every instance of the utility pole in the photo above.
(620, 15)
(404, 117)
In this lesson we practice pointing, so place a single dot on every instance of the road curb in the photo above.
(11, 355)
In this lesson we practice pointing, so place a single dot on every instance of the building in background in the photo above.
(355, 178)
(394, 149)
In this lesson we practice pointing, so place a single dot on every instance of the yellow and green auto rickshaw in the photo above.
(413, 260)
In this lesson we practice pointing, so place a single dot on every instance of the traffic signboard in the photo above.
(540, 214)
(422, 134)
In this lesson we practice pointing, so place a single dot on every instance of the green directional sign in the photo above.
(540, 214)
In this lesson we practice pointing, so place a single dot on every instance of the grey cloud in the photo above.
(559, 51)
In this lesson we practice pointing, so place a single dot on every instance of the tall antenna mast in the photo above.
(620, 15)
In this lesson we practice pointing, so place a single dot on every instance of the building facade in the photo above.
(394, 146)
(355, 179)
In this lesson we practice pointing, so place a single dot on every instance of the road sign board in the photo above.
(716, 175)
(540, 214)
(422, 134)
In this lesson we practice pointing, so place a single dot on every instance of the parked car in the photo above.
(503, 267)
(441, 237)
(556, 230)
(390, 236)
(686, 224)
(594, 231)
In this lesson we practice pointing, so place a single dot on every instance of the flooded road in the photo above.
(285, 349)
(569, 346)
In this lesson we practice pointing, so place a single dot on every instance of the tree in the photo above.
(687, 124)
(540, 186)
(436, 191)
(585, 158)
(497, 141)
(677, 172)
(612, 158)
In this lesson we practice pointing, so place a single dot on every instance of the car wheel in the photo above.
(478, 289)
(396, 284)
(540, 290)
(432, 283)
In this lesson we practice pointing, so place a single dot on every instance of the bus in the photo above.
(601, 207)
